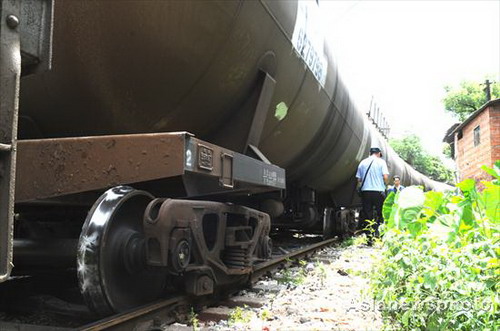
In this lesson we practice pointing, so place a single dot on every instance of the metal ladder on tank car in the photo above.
(25, 45)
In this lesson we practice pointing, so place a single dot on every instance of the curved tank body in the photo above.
(156, 66)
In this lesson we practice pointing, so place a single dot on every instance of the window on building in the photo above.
(477, 136)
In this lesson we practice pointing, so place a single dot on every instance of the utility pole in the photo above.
(370, 110)
(487, 90)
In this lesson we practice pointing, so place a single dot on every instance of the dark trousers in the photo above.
(372, 202)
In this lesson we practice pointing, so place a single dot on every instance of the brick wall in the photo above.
(470, 158)
(495, 132)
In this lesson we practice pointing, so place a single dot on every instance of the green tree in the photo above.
(410, 149)
(447, 150)
(469, 96)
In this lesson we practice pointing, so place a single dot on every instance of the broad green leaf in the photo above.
(445, 220)
(430, 280)
(495, 171)
(411, 197)
(415, 228)
(406, 317)
(387, 207)
(464, 227)
(406, 260)
(466, 185)
(466, 214)
(491, 200)
(439, 231)
(409, 214)
(494, 263)
(433, 201)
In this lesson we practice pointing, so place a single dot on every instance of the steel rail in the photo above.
(128, 320)
(262, 268)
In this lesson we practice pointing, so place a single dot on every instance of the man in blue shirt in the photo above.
(372, 178)
(397, 185)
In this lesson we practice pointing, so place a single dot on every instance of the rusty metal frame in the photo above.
(54, 167)
(50, 168)
(170, 221)
(10, 72)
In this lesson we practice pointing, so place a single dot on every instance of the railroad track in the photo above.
(152, 316)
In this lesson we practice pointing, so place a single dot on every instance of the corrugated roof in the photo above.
(490, 103)
(449, 136)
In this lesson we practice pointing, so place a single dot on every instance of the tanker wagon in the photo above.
(145, 143)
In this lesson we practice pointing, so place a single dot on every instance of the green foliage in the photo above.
(494, 172)
(240, 315)
(293, 276)
(193, 320)
(321, 271)
(440, 266)
(469, 96)
(360, 239)
(410, 149)
(435, 169)
(347, 242)
(387, 206)
(297, 276)
(266, 315)
(370, 229)
(447, 150)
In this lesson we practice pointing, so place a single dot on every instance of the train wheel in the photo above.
(112, 272)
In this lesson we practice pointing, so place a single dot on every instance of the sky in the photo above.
(404, 52)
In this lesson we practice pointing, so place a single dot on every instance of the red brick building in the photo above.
(476, 141)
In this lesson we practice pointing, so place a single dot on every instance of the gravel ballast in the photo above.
(329, 292)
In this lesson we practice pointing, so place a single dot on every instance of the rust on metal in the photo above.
(54, 167)
(50, 168)
(129, 319)
(263, 268)
(132, 318)
(241, 237)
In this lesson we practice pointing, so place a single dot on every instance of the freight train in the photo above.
(153, 145)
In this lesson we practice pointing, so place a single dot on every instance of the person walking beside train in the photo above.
(397, 185)
(372, 178)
